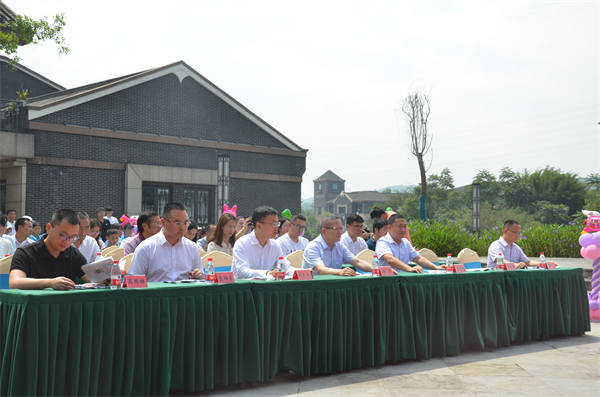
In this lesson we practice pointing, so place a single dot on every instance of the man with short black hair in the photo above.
(292, 240)
(23, 228)
(326, 254)
(11, 215)
(6, 247)
(167, 256)
(395, 250)
(380, 229)
(52, 262)
(148, 224)
(354, 230)
(377, 213)
(256, 255)
(86, 244)
(100, 213)
(109, 213)
(209, 230)
(507, 245)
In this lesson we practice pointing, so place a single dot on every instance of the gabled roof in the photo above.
(329, 176)
(367, 196)
(34, 74)
(51, 103)
(7, 15)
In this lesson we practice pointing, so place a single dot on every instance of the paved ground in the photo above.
(567, 366)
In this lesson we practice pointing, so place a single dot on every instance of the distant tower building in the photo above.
(327, 187)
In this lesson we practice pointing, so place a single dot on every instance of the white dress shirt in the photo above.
(251, 260)
(512, 253)
(354, 246)
(112, 220)
(89, 248)
(12, 228)
(6, 247)
(160, 261)
(16, 244)
(288, 245)
(403, 251)
(317, 252)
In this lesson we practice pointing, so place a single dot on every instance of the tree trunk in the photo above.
(423, 196)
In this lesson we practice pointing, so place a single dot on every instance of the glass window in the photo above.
(189, 200)
(163, 199)
(320, 187)
(335, 186)
(147, 199)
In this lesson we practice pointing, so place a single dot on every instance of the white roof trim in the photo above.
(181, 71)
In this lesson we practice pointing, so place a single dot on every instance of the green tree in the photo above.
(514, 192)
(490, 189)
(555, 187)
(592, 195)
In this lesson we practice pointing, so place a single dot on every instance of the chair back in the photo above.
(125, 262)
(366, 255)
(429, 255)
(117, 254)
(469, 258)
(220, 259)
(107, 251)
(4, 270)
(295, 258)
(202, 252)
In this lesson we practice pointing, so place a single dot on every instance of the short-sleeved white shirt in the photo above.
(251, 260)
(317, 252)
(160, 261)
(6, 247)
(403, 251)
(288, 245)
(512, 253)
(89, 248)
(356, 247)
(15, 243)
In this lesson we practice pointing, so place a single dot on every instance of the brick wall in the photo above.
(12, 81)
(249, 194)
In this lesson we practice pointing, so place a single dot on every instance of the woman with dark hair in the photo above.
(284, 226)
(223, 238)
(192, 232)
(95, 232)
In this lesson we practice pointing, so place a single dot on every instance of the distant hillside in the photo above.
(308, 203)
(398, 188)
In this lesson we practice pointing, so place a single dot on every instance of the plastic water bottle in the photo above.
(500, 262)
(210, 272)
(449, 264)
(280, 269)
(98, 257)
(115, 276)
(543, 264)
(375, 267)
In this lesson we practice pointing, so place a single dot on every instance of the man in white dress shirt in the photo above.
(507, 244)
(23, 227)
(167, 256)
(256, 254)
(86, 245)
(293, 241)
(326, 254)
(352, 238)
(395, 251)
(11, 215)
(6, 247)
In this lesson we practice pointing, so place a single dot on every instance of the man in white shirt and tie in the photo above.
(255, 255)
(293, 241)
(167, 256)
(352, 238)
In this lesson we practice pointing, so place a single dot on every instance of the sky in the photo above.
(511, 84)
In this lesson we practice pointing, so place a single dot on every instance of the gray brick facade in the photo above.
(12, 81)
(249, 194)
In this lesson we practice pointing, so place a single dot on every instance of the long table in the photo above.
(191, 337)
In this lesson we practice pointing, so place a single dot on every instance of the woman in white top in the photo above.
(223, 238)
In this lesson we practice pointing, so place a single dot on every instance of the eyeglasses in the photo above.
(65, 237)
(274, 224)
(336, 228)
(355, 226)
(299, 227)
(157, 223)
(229, 227)
(178, 224)
(518, 234)
(95, 233)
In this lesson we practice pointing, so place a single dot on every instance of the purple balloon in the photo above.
(596, 237)
(593, 305)
(585, 240)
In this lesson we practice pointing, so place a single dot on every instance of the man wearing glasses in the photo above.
(256, 255)
(326, 254)
(148, 224)
(86, 244)
(167, 256)
(52, 262)
(293, 241)
(354, 226)
(507, 245)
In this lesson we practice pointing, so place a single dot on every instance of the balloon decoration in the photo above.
(286, 213)
(590, 249)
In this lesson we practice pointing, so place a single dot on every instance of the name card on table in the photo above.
(224, 278)
(302, 274)
(459, 268)
(551, 265)
(386, 271)
(510, 266)
(135, 282)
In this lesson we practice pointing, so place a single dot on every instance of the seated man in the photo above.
(395, 250)
(6, 247)
(52, 262)
(326, 254)
(23, 229)
(167, 256)
(380, 229)
(257, 254)
(507, 244)
(148, 224)
(354, 230)
(292, 241)
(86, 244)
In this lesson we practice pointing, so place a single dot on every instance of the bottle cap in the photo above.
(375, 256)
(281, 257)
(542, 253)
(500, 254)
(116, 262)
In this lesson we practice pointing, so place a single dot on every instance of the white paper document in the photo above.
(99, 270)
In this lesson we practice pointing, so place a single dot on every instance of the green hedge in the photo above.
(558, 241)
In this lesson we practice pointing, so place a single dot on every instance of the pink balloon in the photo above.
(592, 252)
(585, 240)
(582, 251)
(595, 314)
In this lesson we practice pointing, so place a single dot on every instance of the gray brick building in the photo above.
(138, 141)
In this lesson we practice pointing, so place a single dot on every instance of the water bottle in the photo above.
(449, 264)
(210, 272)
(280, 269)
(115, 276)
(543, 264)
(375, 267)
(500, 262)
(97, 258)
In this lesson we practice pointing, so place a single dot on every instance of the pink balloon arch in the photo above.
(590, 249)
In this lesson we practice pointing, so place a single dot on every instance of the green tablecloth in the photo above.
(127, 342)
